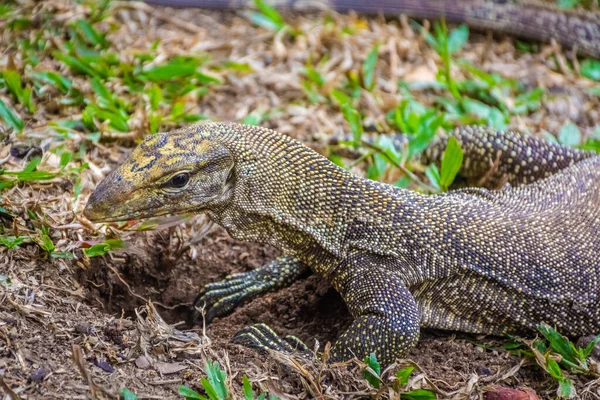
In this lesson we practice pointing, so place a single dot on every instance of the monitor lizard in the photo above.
(472, 260)
(531, 19)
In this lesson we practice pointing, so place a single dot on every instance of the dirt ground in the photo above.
(100, 316)
(79, 328)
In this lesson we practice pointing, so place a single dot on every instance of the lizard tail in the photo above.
(537, 21)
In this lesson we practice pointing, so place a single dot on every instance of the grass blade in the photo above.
(451, 163)
(369, 68)
(353, 118)
(10, 118)
(559, 343)
(190, 394)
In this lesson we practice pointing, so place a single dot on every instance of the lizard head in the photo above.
(168, 173)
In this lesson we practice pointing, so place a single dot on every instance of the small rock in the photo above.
(142, 362)
(504, 393)
(483, 371)
(169, 368)
(38, 375)
(82, 327)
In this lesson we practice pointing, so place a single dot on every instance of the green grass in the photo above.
(590, 69)
(10, 117)
(215, 386)
(368, 70)
(99, 249)
(268, 17)
(13, 242)
(89, 54)
(372, 373)
(128, 394)
(570, 4)
(558, 356)
(477, 97)
(105, 91)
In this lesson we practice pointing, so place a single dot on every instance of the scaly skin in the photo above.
(224, 296)
(526, 18)
(471, 260)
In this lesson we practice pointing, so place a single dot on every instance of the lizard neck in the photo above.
(287, 195)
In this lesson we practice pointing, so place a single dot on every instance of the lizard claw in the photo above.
(221, 298)
(261, 337)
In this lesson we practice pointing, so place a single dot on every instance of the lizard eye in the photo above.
(179, 180)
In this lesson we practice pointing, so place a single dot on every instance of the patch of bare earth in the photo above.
(82, 328)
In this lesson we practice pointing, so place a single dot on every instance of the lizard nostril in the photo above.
(91, 208)
(96, 204)
(88, 212)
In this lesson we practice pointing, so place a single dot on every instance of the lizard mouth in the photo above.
(116, 218)
(93, 214)
(101, 208)
(99, 216)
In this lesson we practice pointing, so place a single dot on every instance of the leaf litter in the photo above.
(87, 81)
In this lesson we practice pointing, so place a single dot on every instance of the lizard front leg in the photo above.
(220, 298)
(386, 318)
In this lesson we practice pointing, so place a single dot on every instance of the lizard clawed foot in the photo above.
(261, 337)
(221, 298)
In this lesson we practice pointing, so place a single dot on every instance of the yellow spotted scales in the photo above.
(472, 260)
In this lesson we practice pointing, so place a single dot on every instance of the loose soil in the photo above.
(309, 309)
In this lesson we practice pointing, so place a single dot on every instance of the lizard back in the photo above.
(523, 254)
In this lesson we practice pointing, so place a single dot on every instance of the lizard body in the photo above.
(472, 260)
(529, 19)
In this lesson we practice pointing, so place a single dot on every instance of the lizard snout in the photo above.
(98, 205)
(107, 199)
